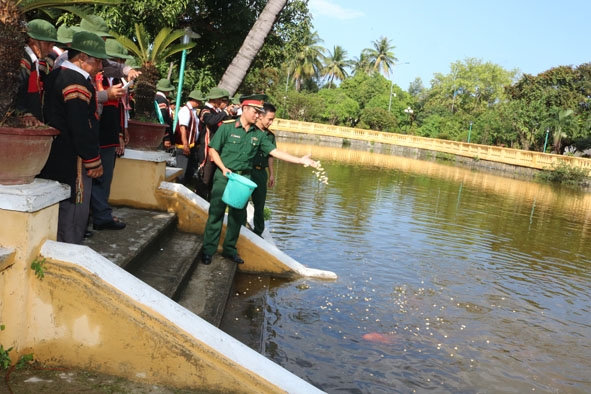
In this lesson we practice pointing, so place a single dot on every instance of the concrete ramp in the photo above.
(117, 324)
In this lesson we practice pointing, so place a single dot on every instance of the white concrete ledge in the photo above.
(145, 155)
(34, 196)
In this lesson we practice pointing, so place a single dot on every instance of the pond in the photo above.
(449, 280)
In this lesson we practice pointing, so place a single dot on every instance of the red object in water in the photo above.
(377, 337)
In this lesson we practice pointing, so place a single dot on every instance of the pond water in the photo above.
(449, 280)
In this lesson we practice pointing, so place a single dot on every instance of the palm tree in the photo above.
(12, 35)
(335, 65)
(307, 64)
(381, 57)
(361, 64)
(252, 44)
(149, 55)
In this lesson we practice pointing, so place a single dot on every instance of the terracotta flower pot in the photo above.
(145, 135)
(23, 153)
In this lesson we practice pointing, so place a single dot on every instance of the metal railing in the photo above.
(516, 157)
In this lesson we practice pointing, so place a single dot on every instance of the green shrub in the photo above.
(565, 174)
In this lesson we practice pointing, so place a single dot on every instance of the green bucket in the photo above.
(238, 190)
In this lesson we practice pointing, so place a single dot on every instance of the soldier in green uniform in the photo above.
(259, 171)
(233, 148)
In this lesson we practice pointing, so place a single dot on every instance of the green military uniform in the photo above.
(259, 195)
(237, 148)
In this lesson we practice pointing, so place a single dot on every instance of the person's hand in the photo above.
(133, 74)
(28, 120)
(126, 136)
(271, 180)
(308, 162)
(115, 92)
(120, 149)
(95, 172)
(226, 171)
(186, 150)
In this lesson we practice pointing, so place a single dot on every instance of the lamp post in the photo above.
(392, 93)
(546, 140)
(409, 112)
(469, 132)
(186, 40)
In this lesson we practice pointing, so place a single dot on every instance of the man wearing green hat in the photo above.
(186, 134)
(70, 106)
(41, 35)
(112, 144)
(233, 149)
(213, 113)
(64, 39)
(163, 89)
(97, 25)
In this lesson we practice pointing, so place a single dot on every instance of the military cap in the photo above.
(215, 93)
(254, 100)
(115, 49)
(197, 95)
(89, 43)
(164, 85)
(41, 30)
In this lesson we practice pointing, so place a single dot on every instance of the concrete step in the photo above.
(124, 247)
(207, 291)
(172, 259)
(152, 249)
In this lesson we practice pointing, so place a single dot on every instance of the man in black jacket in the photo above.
(70, 106)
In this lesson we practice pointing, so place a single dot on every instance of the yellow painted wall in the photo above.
(78, 320)
(135, 182)
(24, 233)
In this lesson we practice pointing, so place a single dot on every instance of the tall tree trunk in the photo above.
(252, 44)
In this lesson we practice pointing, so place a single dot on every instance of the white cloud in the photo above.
(329, 9)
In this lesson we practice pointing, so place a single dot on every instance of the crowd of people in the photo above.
(75, 79)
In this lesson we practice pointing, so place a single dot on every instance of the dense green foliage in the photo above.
(476, 100)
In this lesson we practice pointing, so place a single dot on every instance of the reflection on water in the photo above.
(450, 280)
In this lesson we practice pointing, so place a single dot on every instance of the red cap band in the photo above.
(256, 103)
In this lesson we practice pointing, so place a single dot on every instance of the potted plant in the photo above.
(23, 151)
(145, 130)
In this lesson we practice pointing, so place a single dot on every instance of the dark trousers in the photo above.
(73, 217)
(101, 189)
(215, 220)
(259, 195)
(187, 163)
(205, 180)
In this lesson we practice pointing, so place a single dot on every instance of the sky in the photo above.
(429, 35)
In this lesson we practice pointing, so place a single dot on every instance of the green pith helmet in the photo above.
(216, 93)
(64, 34)
(94, 24)
(89, 43)
(115, 49)
(132, 62)
(164, 85)
(196, 94)
(41, 30)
